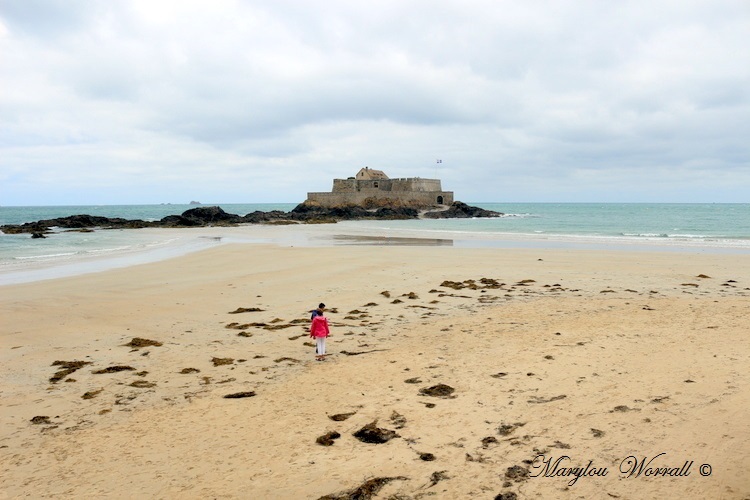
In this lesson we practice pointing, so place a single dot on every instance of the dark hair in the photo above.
(321, 306)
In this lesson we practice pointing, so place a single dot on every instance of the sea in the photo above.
(683, 227)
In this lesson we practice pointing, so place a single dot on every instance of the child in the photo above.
(319, 330)
(319, 310)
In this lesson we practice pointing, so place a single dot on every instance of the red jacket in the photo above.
(319, 327)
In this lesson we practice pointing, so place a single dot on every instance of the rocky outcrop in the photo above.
(215, 216)
(460, 210)
(203, 216)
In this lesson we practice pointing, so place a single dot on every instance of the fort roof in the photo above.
(370, 174)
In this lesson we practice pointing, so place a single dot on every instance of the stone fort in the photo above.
(372, 188)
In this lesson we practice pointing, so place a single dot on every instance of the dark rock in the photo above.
(203, 216)
(37, 235)
(460, 210)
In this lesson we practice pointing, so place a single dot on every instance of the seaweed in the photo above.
(373, 434)
(245, 310)
(114, 369)
(238, 395)
(364, 491)
(437, 391)
(327, 438)
(91, 394)
(339, 417)
(68, 367)
(138, 342)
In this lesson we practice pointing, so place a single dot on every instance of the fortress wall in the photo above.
(358, 197)
(411, 184)
(414, 184)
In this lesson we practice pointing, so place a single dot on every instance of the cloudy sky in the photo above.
(156, 101)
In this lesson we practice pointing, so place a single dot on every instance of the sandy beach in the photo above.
(465, 372)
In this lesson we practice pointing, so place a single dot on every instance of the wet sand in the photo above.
(452, 373)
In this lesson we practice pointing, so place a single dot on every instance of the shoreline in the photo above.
(594, 355)
(176, 242)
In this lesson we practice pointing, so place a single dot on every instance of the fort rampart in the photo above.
(404, 191)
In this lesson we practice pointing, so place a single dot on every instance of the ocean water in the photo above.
(697, 227)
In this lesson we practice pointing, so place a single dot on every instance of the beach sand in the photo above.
(478, 360)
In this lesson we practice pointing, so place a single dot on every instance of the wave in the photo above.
(45, 256)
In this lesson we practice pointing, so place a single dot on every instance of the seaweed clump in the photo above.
(373, 434)
(138, 342)
(68, 367)
(364, 491)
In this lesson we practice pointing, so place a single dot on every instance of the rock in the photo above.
(37, 235)
(460, 210)
(203, 216)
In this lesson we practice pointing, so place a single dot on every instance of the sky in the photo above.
(221, 101)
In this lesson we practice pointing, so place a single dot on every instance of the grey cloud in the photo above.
(510, 93)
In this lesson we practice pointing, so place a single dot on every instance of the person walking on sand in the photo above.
(319, 331)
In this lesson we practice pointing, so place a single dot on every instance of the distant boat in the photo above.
(195, 203)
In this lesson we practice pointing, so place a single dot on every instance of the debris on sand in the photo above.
(238, 395)
(189, 370)
(427, 457)
(68, 367)
(517, 473)
(91, 394)
(413, 380)
(398, 420)
(486, 442)
(243, 326)
(357, 353)
(222, 361)
(373, 434)
(340, 417)
(291, 360)
(142, 384)
(536, 399)
(364, 491)
(437, 391)
(327, 438)
(246, 310)
(138, 342)
(114, 369)
(438, 476)
(278, 327)
(507, 429)
(41, 420)
(507, 495)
